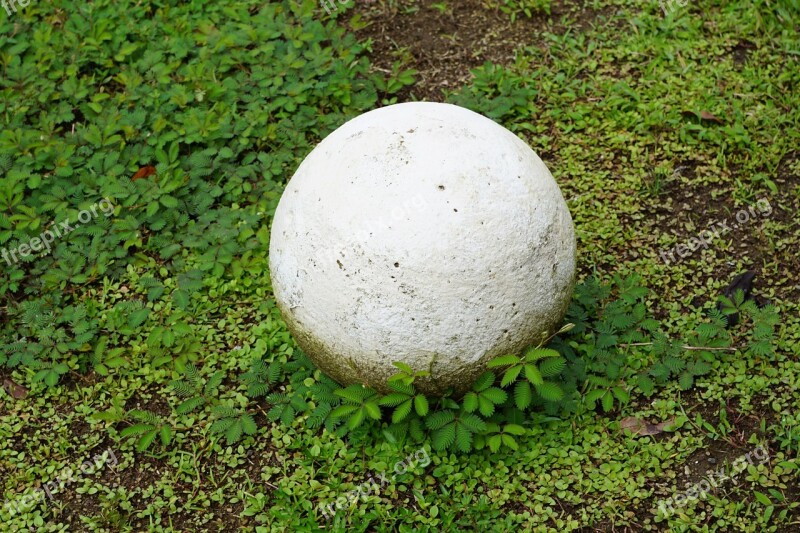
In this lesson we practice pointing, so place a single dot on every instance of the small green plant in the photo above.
(196, 391)
(114, 512)
(148, 426)
(203, 394)
(232, 423)
(229, 421)
(441, 7)
(407, 375)
(483, 396)
(404, 398)
(359, 403)
(787, 434)
(609, 349)
(454, 429)
(49, 373)
(497, 436)
(550, 364)
(529, 8)
(261, 377)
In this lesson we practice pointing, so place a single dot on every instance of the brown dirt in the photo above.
(682, 199)
(444, 45)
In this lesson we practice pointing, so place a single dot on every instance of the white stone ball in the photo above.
(423, 233)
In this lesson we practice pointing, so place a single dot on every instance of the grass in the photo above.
(656, 124)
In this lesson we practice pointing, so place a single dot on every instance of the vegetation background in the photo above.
(153, 332)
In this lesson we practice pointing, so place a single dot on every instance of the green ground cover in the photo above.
(658, 122)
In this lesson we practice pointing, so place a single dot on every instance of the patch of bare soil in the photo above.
(684, 201)
(444, 43)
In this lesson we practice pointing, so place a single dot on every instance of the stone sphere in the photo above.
(423, 233)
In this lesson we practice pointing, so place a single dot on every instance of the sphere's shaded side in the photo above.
(424, 233)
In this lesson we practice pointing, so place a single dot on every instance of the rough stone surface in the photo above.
(422, 233)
